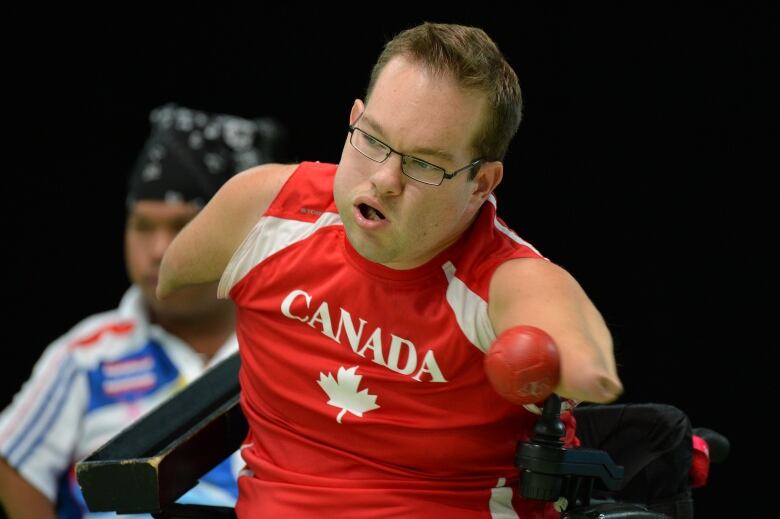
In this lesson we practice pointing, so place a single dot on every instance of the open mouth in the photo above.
(370, 213)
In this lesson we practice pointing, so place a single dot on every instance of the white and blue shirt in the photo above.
(91, 383)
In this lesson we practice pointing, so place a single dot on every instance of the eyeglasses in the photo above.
(414, 168)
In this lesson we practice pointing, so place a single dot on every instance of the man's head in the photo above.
(444, 98)
(473, 61)
(186, 159)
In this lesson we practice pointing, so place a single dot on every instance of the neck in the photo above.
(205, 334)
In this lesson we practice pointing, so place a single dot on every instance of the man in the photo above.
(367, 293)
(115, 366)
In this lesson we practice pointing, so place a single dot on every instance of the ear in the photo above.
(487, 180)
(358, 107)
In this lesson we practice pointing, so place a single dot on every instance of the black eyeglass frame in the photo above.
(445, 176)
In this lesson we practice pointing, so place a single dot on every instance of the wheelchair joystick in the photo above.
(551, 471)
(549, 429)
(545, 445)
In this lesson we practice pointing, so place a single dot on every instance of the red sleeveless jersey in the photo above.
(364, 386)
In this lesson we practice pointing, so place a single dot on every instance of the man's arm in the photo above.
(201, 251)
(20, 499)
(539, 293)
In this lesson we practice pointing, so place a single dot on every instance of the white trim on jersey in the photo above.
(267, 237)
(47, 413)
(471, 311)
(33, 396)
(501, 502)
(507, 231)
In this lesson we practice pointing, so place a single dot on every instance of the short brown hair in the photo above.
(475, 62)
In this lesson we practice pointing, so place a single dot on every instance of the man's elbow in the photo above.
(163, 290)
(166, 283)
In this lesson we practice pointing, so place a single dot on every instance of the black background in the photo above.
(636, 168)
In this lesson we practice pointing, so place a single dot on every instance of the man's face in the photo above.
(151, 227)
(390, 218)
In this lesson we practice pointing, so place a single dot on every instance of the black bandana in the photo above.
(190, 154)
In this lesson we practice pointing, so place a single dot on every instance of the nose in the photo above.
(388, 179)
(161, 240)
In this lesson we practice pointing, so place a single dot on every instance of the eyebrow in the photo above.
(178, 220)
(440, 153)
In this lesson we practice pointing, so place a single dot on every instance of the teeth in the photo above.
(370, 213)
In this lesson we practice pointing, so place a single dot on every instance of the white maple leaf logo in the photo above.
(344, 393)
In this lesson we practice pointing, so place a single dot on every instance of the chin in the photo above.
(374, 253)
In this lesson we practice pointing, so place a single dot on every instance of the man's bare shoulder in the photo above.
(252, 191)
(525, 271)
(266, 179)
(202, 250)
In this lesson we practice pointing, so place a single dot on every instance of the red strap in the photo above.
(700, 466)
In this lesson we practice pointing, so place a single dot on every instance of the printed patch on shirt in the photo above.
(343, 392)
(113, 328)
(306, 210)
(130, 378)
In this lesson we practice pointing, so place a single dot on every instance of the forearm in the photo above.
(588, 370)
(20, 499)
(199, 253)
(202, 250)
(538, 293)
(174, 275)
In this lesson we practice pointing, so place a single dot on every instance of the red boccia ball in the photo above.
(523, 365)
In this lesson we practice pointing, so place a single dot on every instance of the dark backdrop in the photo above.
(634, 168)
